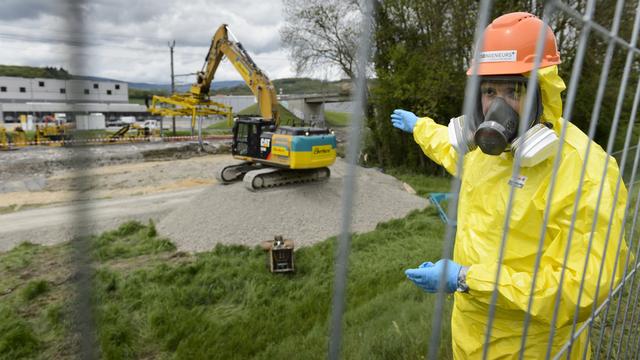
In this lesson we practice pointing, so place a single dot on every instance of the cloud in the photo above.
(128, 39)
(26, 9)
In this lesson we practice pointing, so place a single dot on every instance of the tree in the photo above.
(322, 33)
(423, 48)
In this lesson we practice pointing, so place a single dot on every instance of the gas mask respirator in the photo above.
(494, 128)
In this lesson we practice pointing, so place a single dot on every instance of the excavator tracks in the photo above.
(273, 177)
(232, 173)
(256, 177)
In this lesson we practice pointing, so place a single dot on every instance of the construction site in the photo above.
(269, 180)
(182, 183)
(392, 179)
(175, 185)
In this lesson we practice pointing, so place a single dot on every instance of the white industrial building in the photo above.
(40, 97)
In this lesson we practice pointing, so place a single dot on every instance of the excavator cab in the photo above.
(248, 135)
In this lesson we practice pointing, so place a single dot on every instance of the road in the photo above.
(54, 224)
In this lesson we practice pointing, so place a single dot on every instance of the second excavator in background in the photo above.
(272, 155)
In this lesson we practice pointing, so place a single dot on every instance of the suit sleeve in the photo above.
(434, 140)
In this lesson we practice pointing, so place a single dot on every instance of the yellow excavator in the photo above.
(272, 155)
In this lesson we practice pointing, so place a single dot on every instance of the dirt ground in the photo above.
(48, 197)
(113, 181)
(43, 194)
(37, 177)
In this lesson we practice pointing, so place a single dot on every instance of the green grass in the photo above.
(18, 338)
(222, 125)
(129, 240)
(225, 304)
(34, 288)
(423, 185)
(34, 302)
(34, 72)
(153, 302)
(137, 101)
(337, 119)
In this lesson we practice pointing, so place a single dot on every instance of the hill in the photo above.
(292, 86)
(140, 90)
(50, 72)
(183, 88)
(34, 72)
(286, 116)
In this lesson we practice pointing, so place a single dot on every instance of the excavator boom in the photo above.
(222, 45)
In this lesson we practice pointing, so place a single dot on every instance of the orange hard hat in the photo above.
(510, 45)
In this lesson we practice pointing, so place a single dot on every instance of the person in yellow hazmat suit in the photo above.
(506, 60)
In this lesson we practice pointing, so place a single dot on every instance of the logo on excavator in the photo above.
(322, 150)
(280, 150)
(264, 144)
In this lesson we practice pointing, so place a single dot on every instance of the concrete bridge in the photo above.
(310, 107)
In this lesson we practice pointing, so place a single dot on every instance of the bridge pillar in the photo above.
(311, 113)
(314, 114)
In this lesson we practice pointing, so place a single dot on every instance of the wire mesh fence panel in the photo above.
(541, 248)
(557, 279)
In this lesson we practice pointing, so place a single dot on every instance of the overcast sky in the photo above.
(127, 39)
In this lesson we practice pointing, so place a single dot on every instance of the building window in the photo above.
(86, 91)
(63, 91)
(3, 89)
(41, 83)
(117, 86)
(95, 86)
(108, 92)
(23, 89)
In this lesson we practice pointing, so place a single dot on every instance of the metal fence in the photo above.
(611, 320)
(616, 335)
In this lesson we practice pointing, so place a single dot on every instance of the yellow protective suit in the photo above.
(481, 214)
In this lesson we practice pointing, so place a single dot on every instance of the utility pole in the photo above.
(173, 83)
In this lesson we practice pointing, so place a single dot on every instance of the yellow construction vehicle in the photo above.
(4, 140)
(272, 155)
(52, 132)
(141, 132)
(188, 105)
(19, 137)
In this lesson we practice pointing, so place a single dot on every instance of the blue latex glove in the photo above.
(404, 120)
(427, 276)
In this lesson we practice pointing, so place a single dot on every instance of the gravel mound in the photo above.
(307, 213)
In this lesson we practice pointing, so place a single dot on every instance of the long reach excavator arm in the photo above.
(222, 45)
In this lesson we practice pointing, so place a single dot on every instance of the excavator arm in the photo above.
(258, 82)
